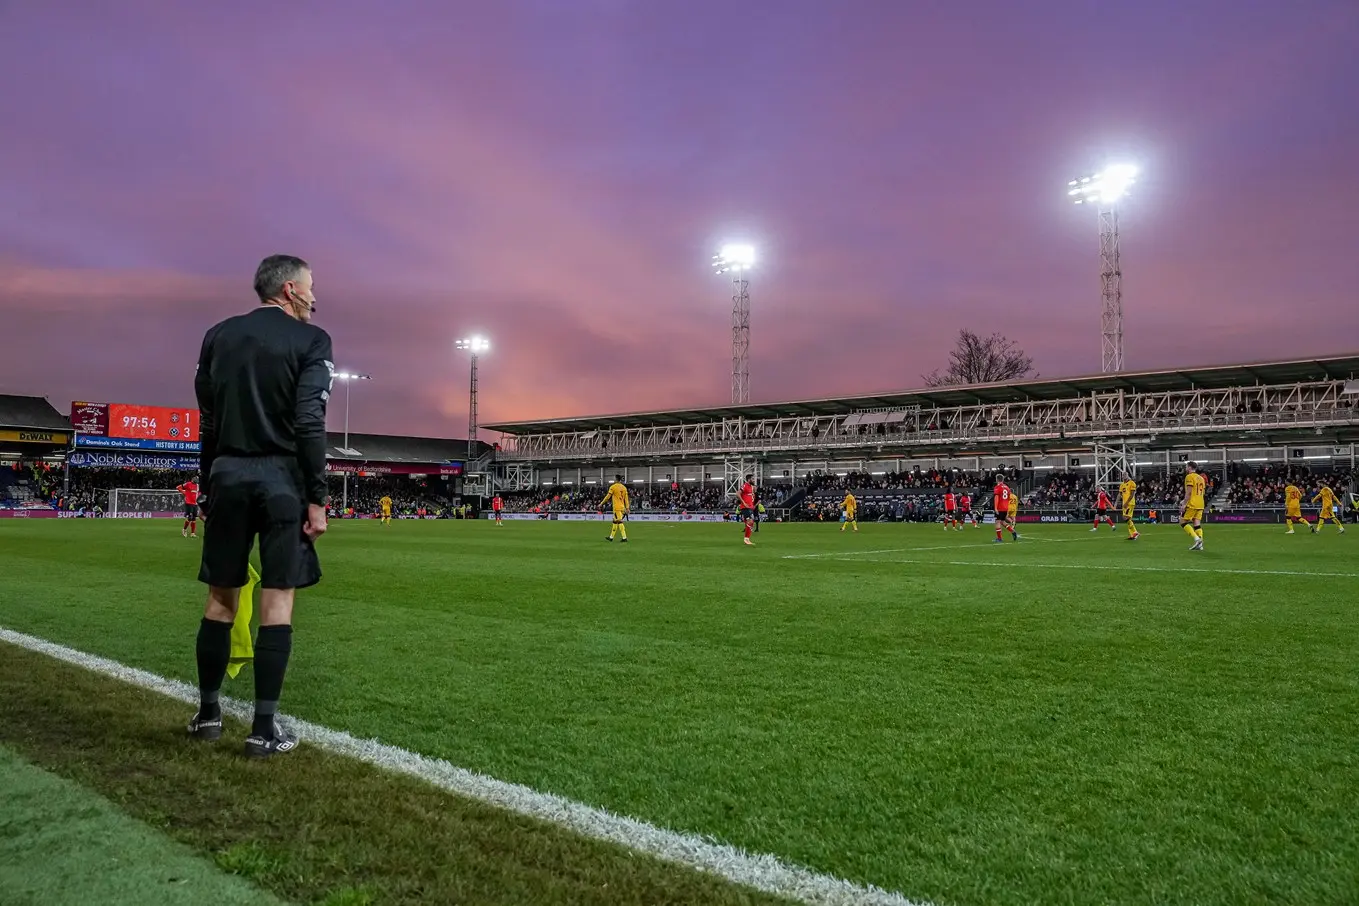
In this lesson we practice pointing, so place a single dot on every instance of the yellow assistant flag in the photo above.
(242, 645)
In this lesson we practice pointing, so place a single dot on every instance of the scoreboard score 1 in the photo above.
(152, 422)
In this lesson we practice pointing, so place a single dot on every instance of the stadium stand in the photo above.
(1267, 404)
(399, 449)
(1056, 440)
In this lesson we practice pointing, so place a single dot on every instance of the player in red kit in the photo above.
(1002, 502)
(496, 506)
(1102, 506)
(951, 512)
(190, 491)
(965, 510)
(748, 507)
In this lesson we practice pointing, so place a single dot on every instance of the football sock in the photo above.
(1198, 533)
(213, 650)
(273, 645)
(998, 535)
(622, 530)
(747, 529)
(1189, 530)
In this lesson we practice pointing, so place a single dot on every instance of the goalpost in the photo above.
(128, 501)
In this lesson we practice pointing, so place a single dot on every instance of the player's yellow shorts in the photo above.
(386, 513)
(849, 515)
(1191, 513)
(1326, 513)
(1012, 511)
(1293, 512)
(618, 514)
(1128, 508)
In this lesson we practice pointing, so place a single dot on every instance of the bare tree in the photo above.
(982, 360)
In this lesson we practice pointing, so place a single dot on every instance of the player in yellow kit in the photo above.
(1128, 491)
(1293, 508)
(849, 505)
(617, 497)
(386, 504)
(1012, 514)
(1191, 519)
(1327, 498)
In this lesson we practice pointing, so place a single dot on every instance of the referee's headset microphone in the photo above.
(298, 300)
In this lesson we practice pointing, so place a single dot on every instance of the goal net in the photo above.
(135, 501)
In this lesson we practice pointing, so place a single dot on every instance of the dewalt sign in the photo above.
(35, 437)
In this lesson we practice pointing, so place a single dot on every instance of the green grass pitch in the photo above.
(1072, 719)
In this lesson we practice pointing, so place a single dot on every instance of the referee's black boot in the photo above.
(280, 743)
(206, 729)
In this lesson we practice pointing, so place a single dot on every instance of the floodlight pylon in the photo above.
(1106, 190)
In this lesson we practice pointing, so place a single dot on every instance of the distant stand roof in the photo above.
(1207, 378)
(392, 448)
(31, 412)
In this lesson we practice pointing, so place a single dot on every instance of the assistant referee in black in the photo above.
(263, 382)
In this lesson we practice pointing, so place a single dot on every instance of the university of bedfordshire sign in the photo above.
(35, 437)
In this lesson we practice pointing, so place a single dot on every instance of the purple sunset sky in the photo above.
(556, 175)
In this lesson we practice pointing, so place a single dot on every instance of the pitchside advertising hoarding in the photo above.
(598, 517)
(394, 468)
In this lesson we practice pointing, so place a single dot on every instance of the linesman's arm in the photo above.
(313, 390)
(207, 423)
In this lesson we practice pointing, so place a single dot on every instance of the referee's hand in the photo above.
(315, 526)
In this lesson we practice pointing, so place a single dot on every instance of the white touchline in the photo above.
(760, 871)
(1020, 564)
(849, 555)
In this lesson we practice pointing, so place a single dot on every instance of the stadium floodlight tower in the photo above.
(1106, 189)
(737, 260)
(474, 346)
(348, 377)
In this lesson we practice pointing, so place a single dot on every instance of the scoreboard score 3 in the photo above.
(152, 422)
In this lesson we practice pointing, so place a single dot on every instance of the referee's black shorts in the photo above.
(257, 496)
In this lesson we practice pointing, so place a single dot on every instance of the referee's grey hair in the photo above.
(275, 271)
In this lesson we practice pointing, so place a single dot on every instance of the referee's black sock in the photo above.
(273, 644)
(214, 651)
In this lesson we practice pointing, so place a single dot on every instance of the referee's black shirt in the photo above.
(262, 384)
